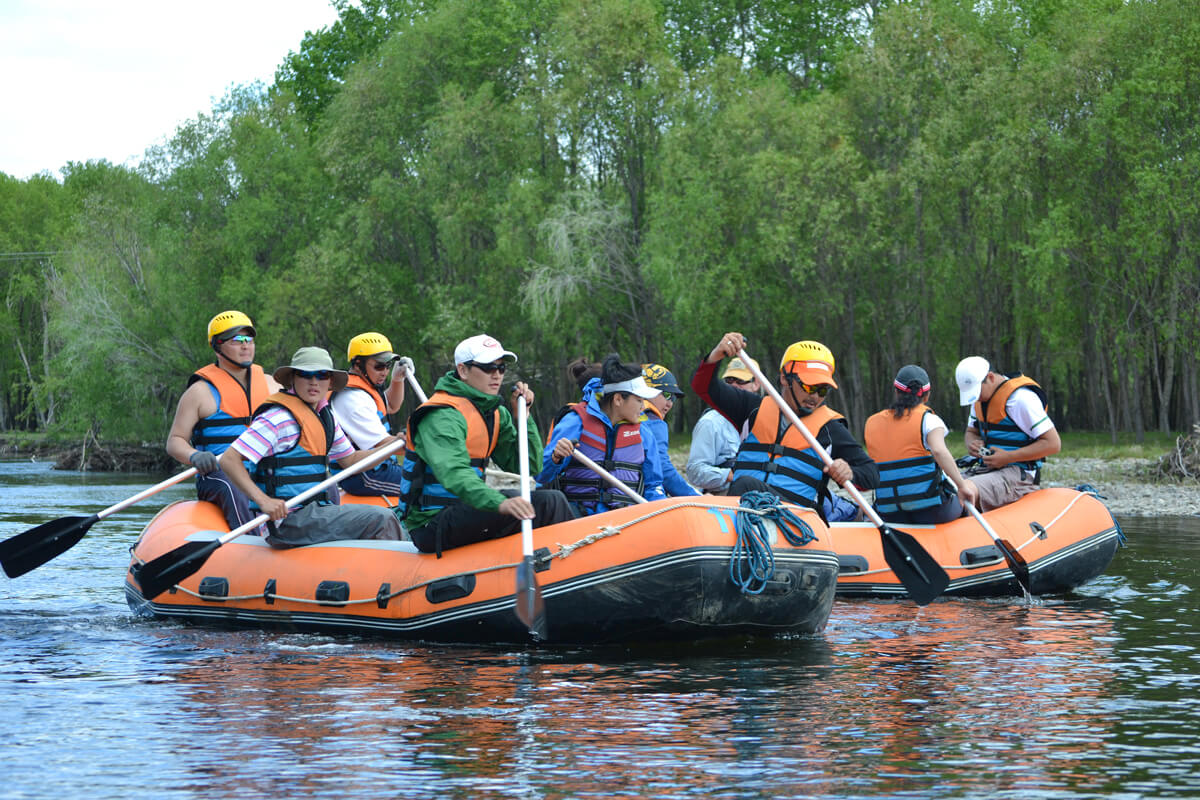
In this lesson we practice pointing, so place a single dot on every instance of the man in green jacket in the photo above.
(445, 501)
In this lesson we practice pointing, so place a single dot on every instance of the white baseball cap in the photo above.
(969, 376)
(482, 349)
(637, 386)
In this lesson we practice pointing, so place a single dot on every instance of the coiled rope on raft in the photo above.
(752, 565)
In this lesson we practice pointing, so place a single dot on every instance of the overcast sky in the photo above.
(89, 79)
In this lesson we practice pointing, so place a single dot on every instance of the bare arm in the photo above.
(967, 491)
(196, 403)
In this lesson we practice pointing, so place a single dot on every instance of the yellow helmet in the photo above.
(370, 344)
(811, 362)
(227, 321)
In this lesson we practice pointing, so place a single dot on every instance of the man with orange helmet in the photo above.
(774, 456)
(216, 407)
(364, 406)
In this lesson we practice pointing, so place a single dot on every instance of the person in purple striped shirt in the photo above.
(289, 445)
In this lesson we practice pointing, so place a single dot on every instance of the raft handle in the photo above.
(979, 556)
(451, 588)
(269, 592)
(383, 595)
(332, 593)
(1037, 528)
(849, 564)
(215, 589)
(541, 559)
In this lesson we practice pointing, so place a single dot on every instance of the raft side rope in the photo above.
(752, 564)
(777, 510)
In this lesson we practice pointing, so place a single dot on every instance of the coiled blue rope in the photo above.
(752, 565)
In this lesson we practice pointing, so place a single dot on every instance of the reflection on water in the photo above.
(1081, 696)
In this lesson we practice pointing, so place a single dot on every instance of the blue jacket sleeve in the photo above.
(569, 427)
(652, 476)
(673, 482)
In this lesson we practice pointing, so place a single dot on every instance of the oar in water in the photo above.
(608, 476)
(160, 574)
(531, 607)
(36, 546)
(1016, 562)
(922, 576)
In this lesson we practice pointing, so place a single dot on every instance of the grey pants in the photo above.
(999, 487)
(315, 523)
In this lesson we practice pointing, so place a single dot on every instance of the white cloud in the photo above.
(85, 79)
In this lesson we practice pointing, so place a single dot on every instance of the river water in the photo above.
(1092, 694)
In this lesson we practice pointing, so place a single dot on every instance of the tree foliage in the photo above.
(906, 182)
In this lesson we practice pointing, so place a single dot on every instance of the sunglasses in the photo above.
(241, 338)
(381, 365)
(819, 391)
(499, 366)
(321, 375)
(736, 382)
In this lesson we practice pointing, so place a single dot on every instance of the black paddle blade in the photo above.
(920, 573)
(531, 608)
(1017, 563)
(160, 574)
(36, 546)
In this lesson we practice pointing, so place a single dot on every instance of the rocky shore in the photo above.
(1129, 486)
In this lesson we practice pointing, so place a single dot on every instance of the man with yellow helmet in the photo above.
(775, 457)
(216, 407)
(363, 409)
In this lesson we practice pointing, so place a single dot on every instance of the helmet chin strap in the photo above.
(242, 364)
(801, 410)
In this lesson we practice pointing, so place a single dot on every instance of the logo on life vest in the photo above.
(628, 433)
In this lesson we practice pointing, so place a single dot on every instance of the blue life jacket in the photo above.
(235, 403)
(287, 474)
(783, 459)
(419, 487)
(909, 478)
(618, 449)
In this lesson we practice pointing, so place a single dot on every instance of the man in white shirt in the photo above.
(364, 407)
(1008, 430)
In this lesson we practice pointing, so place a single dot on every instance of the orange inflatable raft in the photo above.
(659, 570)
(1067, 537)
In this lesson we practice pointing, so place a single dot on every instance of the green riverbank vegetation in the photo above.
(903, 181)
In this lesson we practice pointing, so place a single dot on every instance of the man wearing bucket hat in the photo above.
(363, 409)
(445, 501)
(289, 445)
(907, 442)
(774, 456)
(1008, 430)
(216, 407)
(715, 441)
(659, 377)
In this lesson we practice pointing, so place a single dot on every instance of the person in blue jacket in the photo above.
(659, 377)
(608, 430)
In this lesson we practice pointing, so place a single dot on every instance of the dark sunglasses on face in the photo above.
(322, 375)
(499, 366)
(381, 365)
(819, 391)
(736, 382)
(241, 338)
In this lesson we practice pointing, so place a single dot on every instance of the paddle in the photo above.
(608, 476)
(36, 546)
(1016, 562)
(920, 573)
(160, 574)
(416, 387)
(531, 608)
